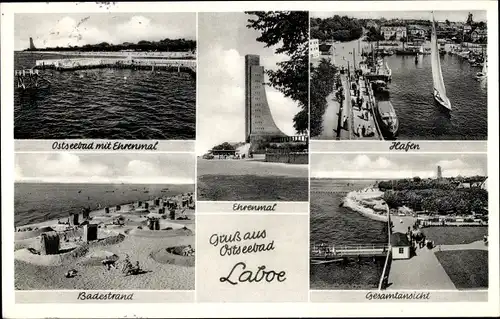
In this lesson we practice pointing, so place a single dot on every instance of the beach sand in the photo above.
(41, 272)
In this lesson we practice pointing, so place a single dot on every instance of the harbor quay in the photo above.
(353, 117)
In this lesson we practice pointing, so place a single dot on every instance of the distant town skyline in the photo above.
(77, 29)
(452, 16)
(105, 168)
(395, 166)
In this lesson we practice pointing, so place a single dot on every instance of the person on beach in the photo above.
(109, 263)
(358, 130)
(363, 130)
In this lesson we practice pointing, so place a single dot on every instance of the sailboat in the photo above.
(484, 73)
(437, 77)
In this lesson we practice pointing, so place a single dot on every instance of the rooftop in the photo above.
(399, 240)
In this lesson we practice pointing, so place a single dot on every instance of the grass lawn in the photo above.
(466, 268)
(252, 188)
(454, 235)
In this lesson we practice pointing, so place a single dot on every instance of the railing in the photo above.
(328, 251)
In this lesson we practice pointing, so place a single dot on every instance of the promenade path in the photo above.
(343, 132)
(423, 271)
(330, 119)
(359, 115)
(335, 112)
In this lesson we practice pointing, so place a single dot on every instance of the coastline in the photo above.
(368, 202)
(121, 233)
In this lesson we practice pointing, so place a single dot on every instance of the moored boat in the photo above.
(439, 92)
(387, 119)
(484, 72)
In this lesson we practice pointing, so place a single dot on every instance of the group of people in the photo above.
(364, 131)
(418, 238)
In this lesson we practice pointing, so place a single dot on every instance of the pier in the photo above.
(29, 79)
(320, 252)
(188, 66)
(351, 112)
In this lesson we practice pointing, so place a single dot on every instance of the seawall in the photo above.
(356, 204)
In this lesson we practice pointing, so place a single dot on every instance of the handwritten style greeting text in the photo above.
(229, 245)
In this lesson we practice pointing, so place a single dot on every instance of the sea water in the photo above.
(38, 202)
(337, 225)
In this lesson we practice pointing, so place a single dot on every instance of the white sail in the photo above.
(485, 67)
(437, 76)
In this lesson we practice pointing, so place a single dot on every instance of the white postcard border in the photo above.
(228, 310)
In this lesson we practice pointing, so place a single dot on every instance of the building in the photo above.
(467, 29)
(400, 246)
(259, 123)
(439, 173)
(314, 48)
(393, 32)
(416, 31)
(478, 34)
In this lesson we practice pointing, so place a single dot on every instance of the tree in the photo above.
(289, 32)
(224, 146)
(447, 22)
(322, 82)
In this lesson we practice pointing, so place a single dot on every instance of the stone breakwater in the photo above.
(367, 202)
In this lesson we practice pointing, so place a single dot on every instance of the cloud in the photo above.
(54, 30)
(68, 31)
(104, 168)
(142, 168)
(221, 109)
(378, 167)
(66, 164)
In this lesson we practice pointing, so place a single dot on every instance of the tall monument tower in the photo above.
(32, 45)
(259, 122)
(439, 173)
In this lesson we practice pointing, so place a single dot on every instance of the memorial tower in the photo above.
(259, 122)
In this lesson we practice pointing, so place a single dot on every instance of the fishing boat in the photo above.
(387, 119)
(379, 86)
(484, 73)
(437, 77)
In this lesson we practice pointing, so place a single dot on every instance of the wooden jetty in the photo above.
(72, 64)
(329, 251)
(29, 78)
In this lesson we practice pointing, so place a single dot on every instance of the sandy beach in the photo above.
(120, 233)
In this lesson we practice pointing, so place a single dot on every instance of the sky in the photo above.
(64, 29)
(223, 43)
(454, 16)
(396, 165)
(173, 168)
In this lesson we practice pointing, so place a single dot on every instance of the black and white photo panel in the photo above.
(129, 76)
(252, 142)
(101, 222)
